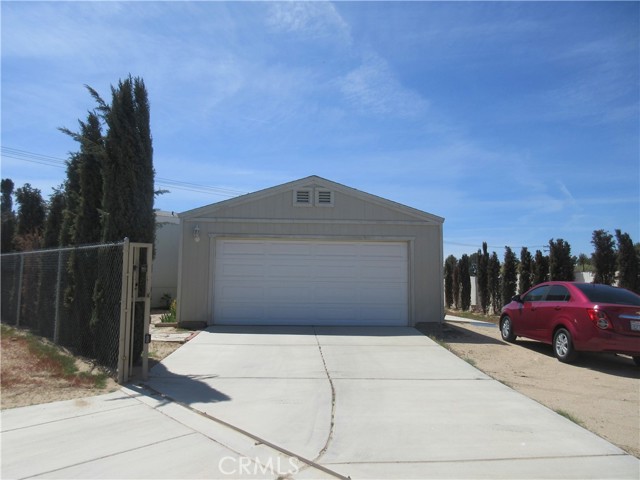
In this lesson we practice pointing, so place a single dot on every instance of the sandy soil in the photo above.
(25, 380)
(601, 392)
(28, 380)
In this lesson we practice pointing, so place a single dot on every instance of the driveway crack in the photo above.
(333, 400)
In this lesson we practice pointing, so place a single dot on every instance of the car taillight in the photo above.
(599, 318)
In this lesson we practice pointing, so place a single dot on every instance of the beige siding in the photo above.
(275, 216)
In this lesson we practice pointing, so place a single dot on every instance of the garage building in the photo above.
(310, 252)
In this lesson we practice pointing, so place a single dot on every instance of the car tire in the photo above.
(506, 329)
(563, 346)
(636, 360)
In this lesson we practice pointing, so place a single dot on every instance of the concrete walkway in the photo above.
(324, 402)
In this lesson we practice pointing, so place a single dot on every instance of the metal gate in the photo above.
(135, 305)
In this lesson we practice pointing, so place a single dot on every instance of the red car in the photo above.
(576, 317)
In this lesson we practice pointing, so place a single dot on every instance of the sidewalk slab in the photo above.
(133, 434)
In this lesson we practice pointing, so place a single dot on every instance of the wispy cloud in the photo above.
(373, 88)
(310, 19)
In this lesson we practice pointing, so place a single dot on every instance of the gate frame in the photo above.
(131, 270)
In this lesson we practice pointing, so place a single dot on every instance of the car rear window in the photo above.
(597, 293)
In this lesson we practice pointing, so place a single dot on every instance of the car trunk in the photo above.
(625, 319)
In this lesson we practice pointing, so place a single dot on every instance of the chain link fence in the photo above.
(71, 296)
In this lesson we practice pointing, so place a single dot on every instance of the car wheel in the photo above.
(563, 346)
(636, 360)
(506, 329)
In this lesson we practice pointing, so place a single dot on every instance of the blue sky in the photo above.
(517, 122)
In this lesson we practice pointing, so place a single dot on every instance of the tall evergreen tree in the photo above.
(85, 225)
(604, 257)
(72, 201)
(525, 270)
(561, 263)
(456, 286)
(8, 216)
(127, 195)
(465, 282)
(493, 271)
(509, 275)
(483, 278)
(540, 268)
(53, 223)
(31, 215)
(449, 266)
(128, 188)
(628, 263)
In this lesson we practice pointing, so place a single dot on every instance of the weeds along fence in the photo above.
(92, 300)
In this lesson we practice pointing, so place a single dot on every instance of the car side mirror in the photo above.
(517, 298)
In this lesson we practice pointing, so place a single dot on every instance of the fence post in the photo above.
(21, 269)
(56, 325)
(147, 312)
(123, 344)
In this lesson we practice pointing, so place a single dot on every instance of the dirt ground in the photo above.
(601, 392)
(26, 381)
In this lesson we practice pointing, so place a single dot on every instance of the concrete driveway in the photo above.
(323, 402)
(379, 403)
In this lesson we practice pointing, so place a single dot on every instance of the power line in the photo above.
(494, 246)
(50, 161)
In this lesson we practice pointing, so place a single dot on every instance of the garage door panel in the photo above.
(288, 271)
(382, 273)
(289, 293)
(338, 270)
(310, 282)
(289, 249)
(230, 293)
(382, 294)
(333, 293)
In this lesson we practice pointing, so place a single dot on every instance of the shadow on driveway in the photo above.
(193, 388)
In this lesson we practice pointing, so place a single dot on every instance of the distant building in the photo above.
(165, 263)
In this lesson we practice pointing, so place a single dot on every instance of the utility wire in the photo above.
(26, 156)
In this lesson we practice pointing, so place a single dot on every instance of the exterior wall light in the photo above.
(196, 233)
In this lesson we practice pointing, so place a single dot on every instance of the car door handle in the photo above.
(558, 308)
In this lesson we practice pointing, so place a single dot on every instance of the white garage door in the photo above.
(310, 283)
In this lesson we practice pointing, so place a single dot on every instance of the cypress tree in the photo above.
(72, 200)
(493, 274)
(456, 285)
(540, 268)
(483, 278)
(525, 270)
(31, 216)
(561, 263)
(53, 224)
(465, 283)
(628, 263)
(84, 222)
(449, 266)
(509, 275)
(127, 199)
(8, 216)
(604, 257)
(128, 191)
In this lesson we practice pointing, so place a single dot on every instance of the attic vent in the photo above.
(302, 197)
(324, 197)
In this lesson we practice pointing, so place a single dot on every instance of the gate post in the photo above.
(125, 316)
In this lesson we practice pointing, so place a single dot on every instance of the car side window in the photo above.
(536, 295)
(558, 293)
